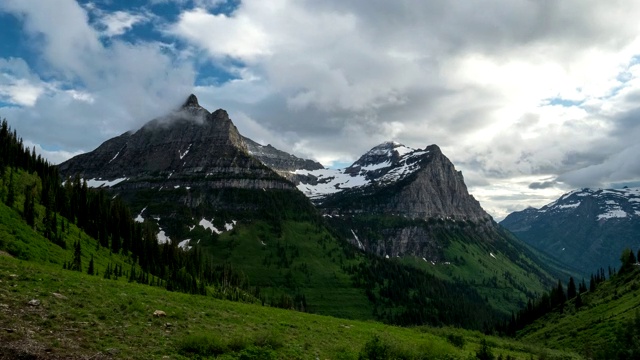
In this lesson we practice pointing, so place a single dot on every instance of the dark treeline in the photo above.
(556, 298)
(553, 300)
(109, 221)
(404, 295)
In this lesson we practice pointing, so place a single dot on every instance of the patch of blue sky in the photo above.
(625, 76)
(227, 7)
(340, 165)
(563, 102)
(171, 9)
(213, 74)
(13, 42)
(4, 104)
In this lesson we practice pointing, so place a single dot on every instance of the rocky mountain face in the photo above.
(190, 146)
(398, 201)
(586, 228)
(184, 170)
(283, 163)
(394, 179)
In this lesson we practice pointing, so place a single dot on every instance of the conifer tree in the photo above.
(107, 272)
(90, 270)
(132, 274)
(77, 257)
(578, 301)
(29, 207)
(11, 195)
(571, 289)
(485, 351)
(582, 288)
(627, 259)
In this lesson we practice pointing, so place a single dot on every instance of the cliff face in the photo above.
(283, 163)
(435, 190)
(394, 179)
(188, 166)
(188, 147)
(398, 201)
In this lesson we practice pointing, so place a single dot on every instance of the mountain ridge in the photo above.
(394, 201)
(586, 228)
(428, 184)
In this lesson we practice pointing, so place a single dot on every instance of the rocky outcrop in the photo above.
(395, 180)
(183, 167)
(436, 190)
(399, 201)
(401, 241)
(283, 163)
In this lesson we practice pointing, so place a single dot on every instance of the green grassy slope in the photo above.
(504, 270)
(89, 316)
(303, 259)
(507, 280)
(593, 326)
(20, 240)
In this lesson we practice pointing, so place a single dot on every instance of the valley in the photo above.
(189, 217)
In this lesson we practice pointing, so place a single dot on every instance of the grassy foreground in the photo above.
(82, 316)
(595, 324)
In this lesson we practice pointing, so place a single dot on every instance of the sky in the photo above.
(528, 98)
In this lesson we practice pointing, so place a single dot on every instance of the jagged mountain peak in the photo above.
(189, 143)
(384, 147)
(419, 183)
(192, 101)
(382, 155)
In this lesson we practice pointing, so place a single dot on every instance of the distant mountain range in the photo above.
(586, 229)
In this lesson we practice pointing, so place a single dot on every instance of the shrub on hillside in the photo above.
(375, 349)
(201, 345)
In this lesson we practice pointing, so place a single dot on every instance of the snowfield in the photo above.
(398, 162)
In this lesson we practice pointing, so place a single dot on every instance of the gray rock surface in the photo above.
(186, 147)
(281, 162)
(431, 188)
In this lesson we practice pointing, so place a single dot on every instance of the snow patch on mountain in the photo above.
(613, 203)
(209, 226)
(568, 206)
(229, 226)
(385, 164)
(184, 245)
(329, 181)
(163, 238)
(118, 153)
(613, 213)
(139, 218)
(182, 155)
(360, 246)
(98, 183)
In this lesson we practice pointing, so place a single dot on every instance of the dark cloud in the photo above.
(542, 185)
